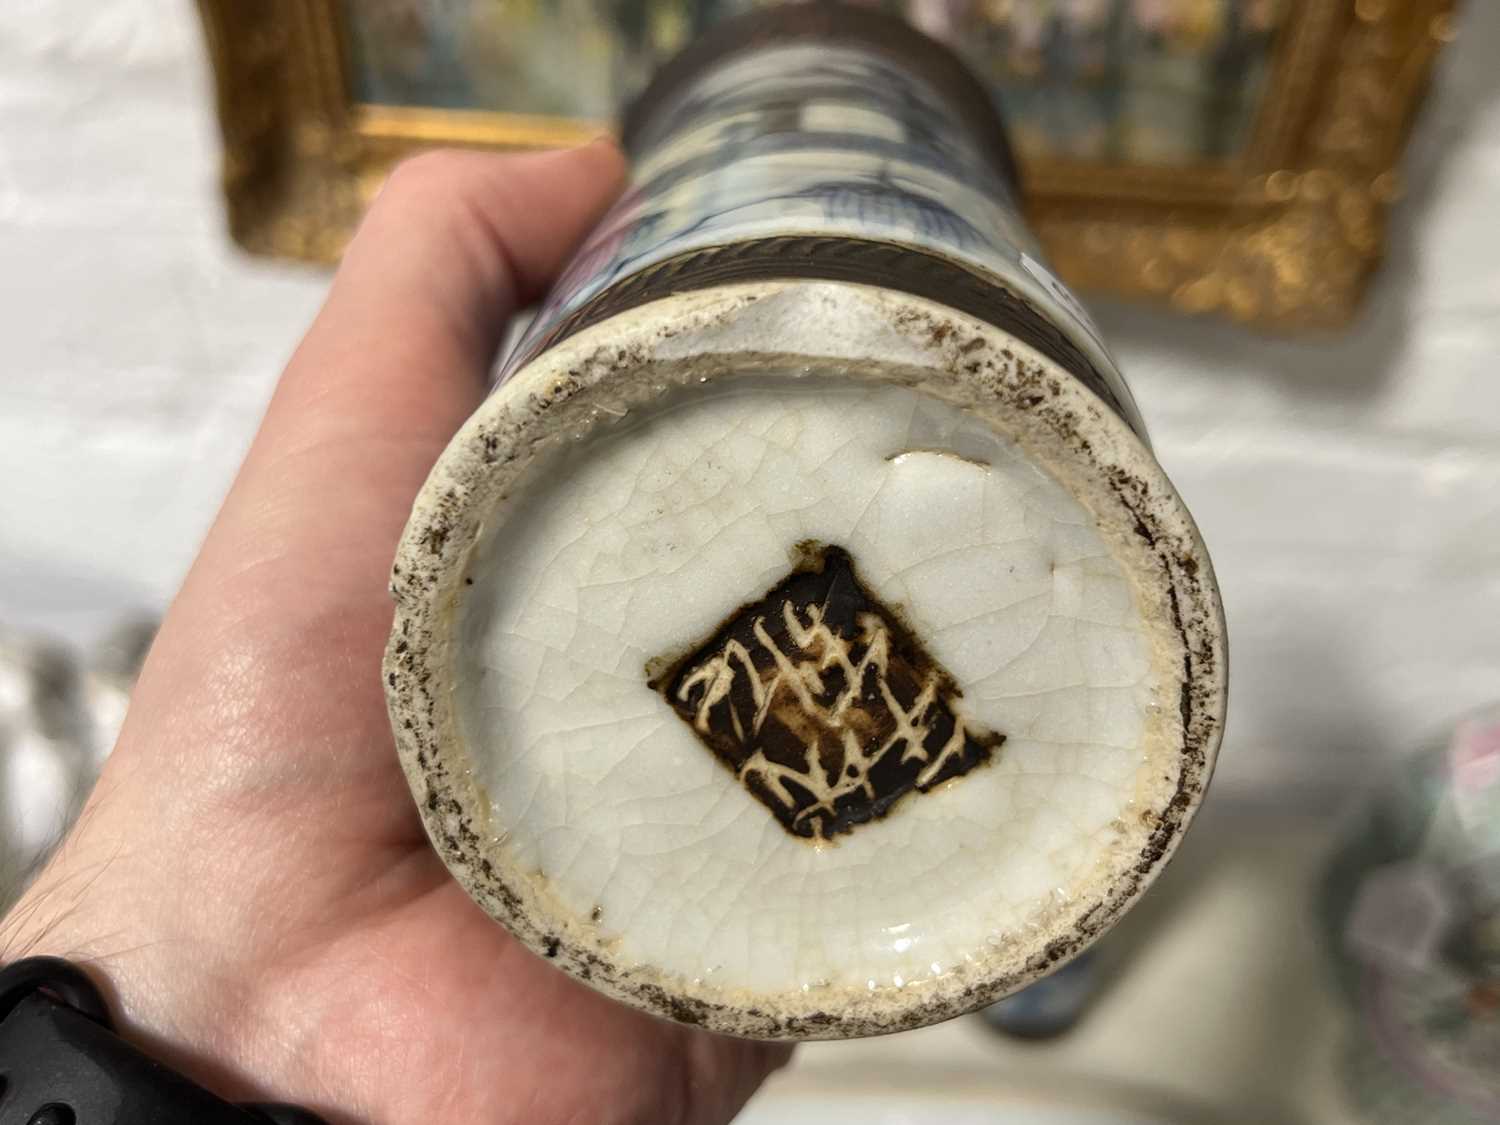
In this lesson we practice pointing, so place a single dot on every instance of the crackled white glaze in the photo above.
(640, 541)
(599, 519)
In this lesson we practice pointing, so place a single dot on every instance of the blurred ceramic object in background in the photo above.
(45, 745)
(1412, 907)
(60, 712)
(109, 678)
(1053, 1005)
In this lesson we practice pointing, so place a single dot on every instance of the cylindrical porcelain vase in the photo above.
(802, 641)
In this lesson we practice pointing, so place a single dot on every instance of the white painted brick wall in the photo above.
(1349, 487)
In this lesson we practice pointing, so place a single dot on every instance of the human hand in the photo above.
(250, 875)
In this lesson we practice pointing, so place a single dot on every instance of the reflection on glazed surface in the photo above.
(645, 541)
(1143, 81)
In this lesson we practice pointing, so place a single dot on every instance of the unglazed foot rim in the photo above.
(815, 339)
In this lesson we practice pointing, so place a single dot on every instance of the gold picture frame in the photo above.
(1284, 235)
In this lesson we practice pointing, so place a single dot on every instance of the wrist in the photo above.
(63, 1060)
(159, 989)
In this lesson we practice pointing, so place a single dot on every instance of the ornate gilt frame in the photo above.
(1286, 235)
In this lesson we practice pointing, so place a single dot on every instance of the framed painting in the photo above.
(1232, 156)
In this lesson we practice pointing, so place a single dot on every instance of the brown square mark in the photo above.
(823, 704)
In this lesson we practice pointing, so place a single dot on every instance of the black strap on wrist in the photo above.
(62, 1064)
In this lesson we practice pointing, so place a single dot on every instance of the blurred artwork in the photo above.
(1155, 82)
(1163, 142)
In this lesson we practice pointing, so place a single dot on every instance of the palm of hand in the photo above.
(250, 873)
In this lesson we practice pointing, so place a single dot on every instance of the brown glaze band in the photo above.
(823, 20)
(885, 265)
